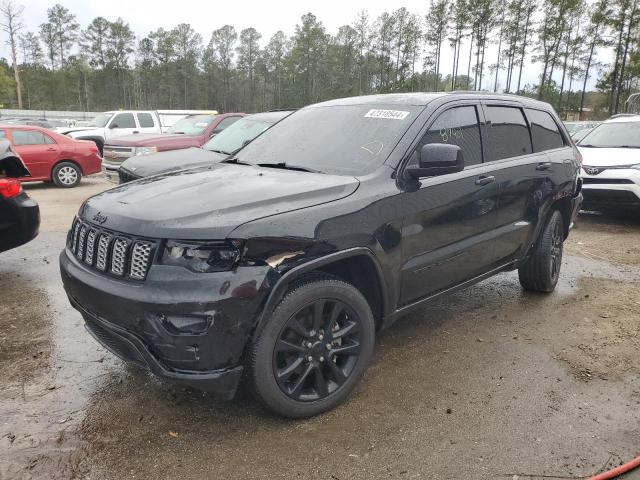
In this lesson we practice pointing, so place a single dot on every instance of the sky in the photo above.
(267, 17)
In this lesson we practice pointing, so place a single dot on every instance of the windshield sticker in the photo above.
(388, 114)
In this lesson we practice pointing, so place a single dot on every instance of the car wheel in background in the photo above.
(541, 271)
(314, 349)
(66, 175)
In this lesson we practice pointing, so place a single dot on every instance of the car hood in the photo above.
(609, 157)
(82, 131)
(155, 140)
(170, 161)
(210, 202)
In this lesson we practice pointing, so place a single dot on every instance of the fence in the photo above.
(47, 114)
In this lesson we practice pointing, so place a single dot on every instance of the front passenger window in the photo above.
(457, 126)
(124, 120)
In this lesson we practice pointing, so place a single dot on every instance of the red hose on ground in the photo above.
(627, 467)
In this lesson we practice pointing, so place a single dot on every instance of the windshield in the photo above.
(192, 125)
(613, 135)
(235, 136)
(341, 140)
(100, 120)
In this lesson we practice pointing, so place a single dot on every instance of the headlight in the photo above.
(146, 150)
(203, 257)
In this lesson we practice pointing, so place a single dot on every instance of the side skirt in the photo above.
(402, 311)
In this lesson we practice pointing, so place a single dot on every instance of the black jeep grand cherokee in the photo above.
(283, 262)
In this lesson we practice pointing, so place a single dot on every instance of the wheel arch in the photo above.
(357, 266)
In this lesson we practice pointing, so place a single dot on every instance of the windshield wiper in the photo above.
(233, 160)
(588, 145)
(286, 166)
(219, 151)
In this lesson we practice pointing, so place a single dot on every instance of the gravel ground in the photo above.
(491, 382)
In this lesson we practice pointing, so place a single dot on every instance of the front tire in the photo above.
(66, 175)
(541, 271)
(314, 349)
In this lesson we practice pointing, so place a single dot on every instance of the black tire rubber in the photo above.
(65, 165)
(259, 368)
(537, 273)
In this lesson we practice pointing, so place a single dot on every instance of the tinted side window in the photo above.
(457, 126)
(508, 133)
(28, 137)
(124, 120)
(145, 120)
(3, 134)
(544, 131)
(225, 123)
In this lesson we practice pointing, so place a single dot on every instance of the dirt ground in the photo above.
(491, 382)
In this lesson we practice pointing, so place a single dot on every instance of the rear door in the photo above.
(523, 173)
(38, 151)
(147, 123)
(447, 232)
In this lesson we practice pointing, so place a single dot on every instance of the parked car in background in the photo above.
(109, 125)
(216, 149)
(578, 129)
(611, 163)
(19, 214)
(281, 264)
(51, 157)
(190, 131)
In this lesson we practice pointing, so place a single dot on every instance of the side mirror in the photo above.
(113, 125)
(437, 159)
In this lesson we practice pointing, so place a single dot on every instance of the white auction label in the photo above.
(391, 114)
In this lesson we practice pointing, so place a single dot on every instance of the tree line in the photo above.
(104, 66)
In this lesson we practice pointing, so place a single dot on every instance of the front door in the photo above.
(449, 222)
(121, 124)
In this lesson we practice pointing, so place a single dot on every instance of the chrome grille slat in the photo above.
(140, 256)
(119, 255)
(81, 241)
(111, 252)
(102, 253)
(91, 241)
(76, 232)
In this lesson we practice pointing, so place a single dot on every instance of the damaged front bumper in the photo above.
(187, 328)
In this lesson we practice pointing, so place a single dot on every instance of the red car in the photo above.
(51, 157)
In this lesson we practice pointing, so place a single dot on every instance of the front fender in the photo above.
(283, 282)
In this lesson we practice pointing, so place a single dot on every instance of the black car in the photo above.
(19, 214)
(282, 263)
(225, 143)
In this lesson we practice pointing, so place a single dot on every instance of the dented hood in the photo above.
(11, 165)
(210, 202)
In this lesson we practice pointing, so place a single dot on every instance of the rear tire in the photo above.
(313, 350)
(66, 175)
(541, 271)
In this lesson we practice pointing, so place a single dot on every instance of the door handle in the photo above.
(484, 180)
(543, 166)
(51, 149)
(135, 131)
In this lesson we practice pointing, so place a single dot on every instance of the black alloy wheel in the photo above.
(313, 349)
(557, 238)
(541, 271)
(317, 350)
